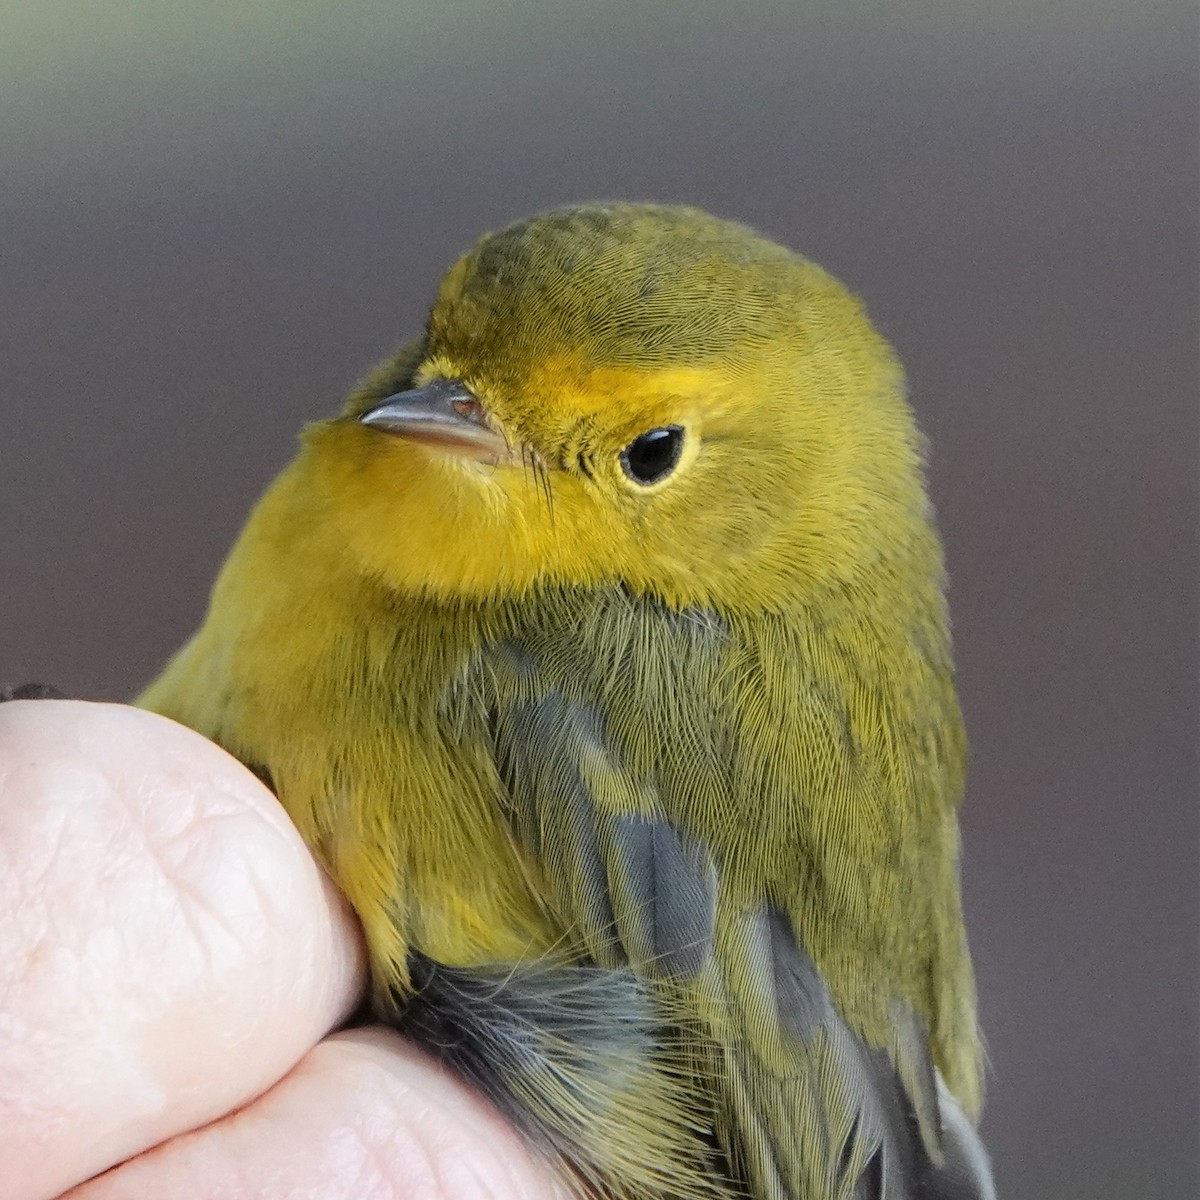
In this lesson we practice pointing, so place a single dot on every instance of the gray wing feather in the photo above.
(841, 1118)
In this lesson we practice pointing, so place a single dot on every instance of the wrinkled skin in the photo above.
(171, 964)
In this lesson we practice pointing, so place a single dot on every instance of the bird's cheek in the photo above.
(557, 534)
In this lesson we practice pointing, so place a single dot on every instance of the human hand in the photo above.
(171, 962)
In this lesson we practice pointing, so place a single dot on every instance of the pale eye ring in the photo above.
(653, 455)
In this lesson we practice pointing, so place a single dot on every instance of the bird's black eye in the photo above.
(654, 455)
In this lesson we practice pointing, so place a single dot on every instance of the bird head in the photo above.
(628, 394)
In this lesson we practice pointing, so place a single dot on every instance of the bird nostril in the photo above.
(469, 409)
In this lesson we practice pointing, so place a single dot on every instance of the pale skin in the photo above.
(172, 964)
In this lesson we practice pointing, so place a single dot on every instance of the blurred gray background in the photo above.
(214, 216)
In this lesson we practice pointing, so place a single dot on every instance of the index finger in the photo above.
(168, 947)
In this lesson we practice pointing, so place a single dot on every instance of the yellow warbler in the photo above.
(599, 650)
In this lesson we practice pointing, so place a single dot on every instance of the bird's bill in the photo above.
(444, 414)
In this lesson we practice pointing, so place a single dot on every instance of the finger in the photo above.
(168, 948)
(365, 1116)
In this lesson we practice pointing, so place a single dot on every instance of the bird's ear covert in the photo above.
(653, 455)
